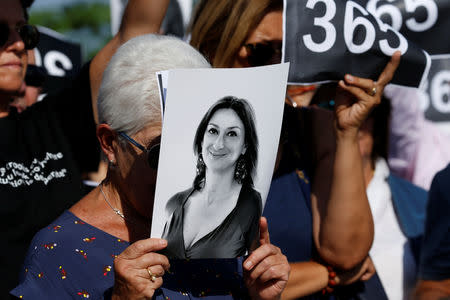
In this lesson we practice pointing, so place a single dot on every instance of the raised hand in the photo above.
(356, 96)
(266, 270)
(138, 270)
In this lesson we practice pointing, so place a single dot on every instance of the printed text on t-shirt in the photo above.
(17, 174)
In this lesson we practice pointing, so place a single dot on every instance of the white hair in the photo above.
(128, 99)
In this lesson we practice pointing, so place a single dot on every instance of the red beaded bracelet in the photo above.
(331, 281)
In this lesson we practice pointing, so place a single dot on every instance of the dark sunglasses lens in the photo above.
(260, 54)
(153, 156)
(4, 34)
(263, 54)
(29, 35)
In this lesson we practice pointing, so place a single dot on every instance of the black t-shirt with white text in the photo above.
(43, 152)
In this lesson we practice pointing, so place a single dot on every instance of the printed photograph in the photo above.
(219, 145)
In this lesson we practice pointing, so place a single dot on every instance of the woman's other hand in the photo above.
(266, 270)
(138, 270)
(356, 96)
(362, 272)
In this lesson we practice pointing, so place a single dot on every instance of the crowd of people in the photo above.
(343, 218)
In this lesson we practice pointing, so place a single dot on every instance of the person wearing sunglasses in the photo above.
(100, 248)
(16, 37)
(328, 214)
(45, 149)
(28, 33)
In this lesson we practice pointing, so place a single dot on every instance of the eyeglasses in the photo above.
(262, 54)
(28, 33)
(152, 153)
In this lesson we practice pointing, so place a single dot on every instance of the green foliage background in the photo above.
(87, 23)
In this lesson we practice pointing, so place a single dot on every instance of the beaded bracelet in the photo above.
(331, 281)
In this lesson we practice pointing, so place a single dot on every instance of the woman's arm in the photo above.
(342, 221)
(140, 17)
(306, 278)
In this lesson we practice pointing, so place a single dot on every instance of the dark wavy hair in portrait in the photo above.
(246, 164)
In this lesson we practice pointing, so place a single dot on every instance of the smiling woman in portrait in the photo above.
(218, 216)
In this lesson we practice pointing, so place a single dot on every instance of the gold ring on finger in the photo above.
(152, 276)
(373, 91)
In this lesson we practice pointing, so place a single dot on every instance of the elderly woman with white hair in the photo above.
(100, 248)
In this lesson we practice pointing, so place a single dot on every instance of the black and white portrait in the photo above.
(218, 216)
(218, 150)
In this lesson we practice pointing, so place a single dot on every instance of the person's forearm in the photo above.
(432, 290)
(306, 278)
(344, 231)
(140, 17)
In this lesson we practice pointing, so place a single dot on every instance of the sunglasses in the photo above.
(262, 54)
(28, 33)
(152, 153)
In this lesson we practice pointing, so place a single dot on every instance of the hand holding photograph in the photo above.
(233, 141)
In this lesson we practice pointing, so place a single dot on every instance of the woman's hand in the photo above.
(362, 272)
(356, 96)
(266, 270)
(138, 270)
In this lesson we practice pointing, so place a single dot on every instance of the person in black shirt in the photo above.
(45, 149)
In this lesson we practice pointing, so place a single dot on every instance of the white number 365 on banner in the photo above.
(325, 39)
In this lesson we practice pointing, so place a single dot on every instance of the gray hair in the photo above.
(128, 99)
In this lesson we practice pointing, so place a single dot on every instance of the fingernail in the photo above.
(248, 265)
(163, 242)
(349, 78)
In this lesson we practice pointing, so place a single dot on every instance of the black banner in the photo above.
(326, 39)
(60, 58)
(425, 22)
(438, 89)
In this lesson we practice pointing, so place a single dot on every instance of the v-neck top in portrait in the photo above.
(232, 238)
